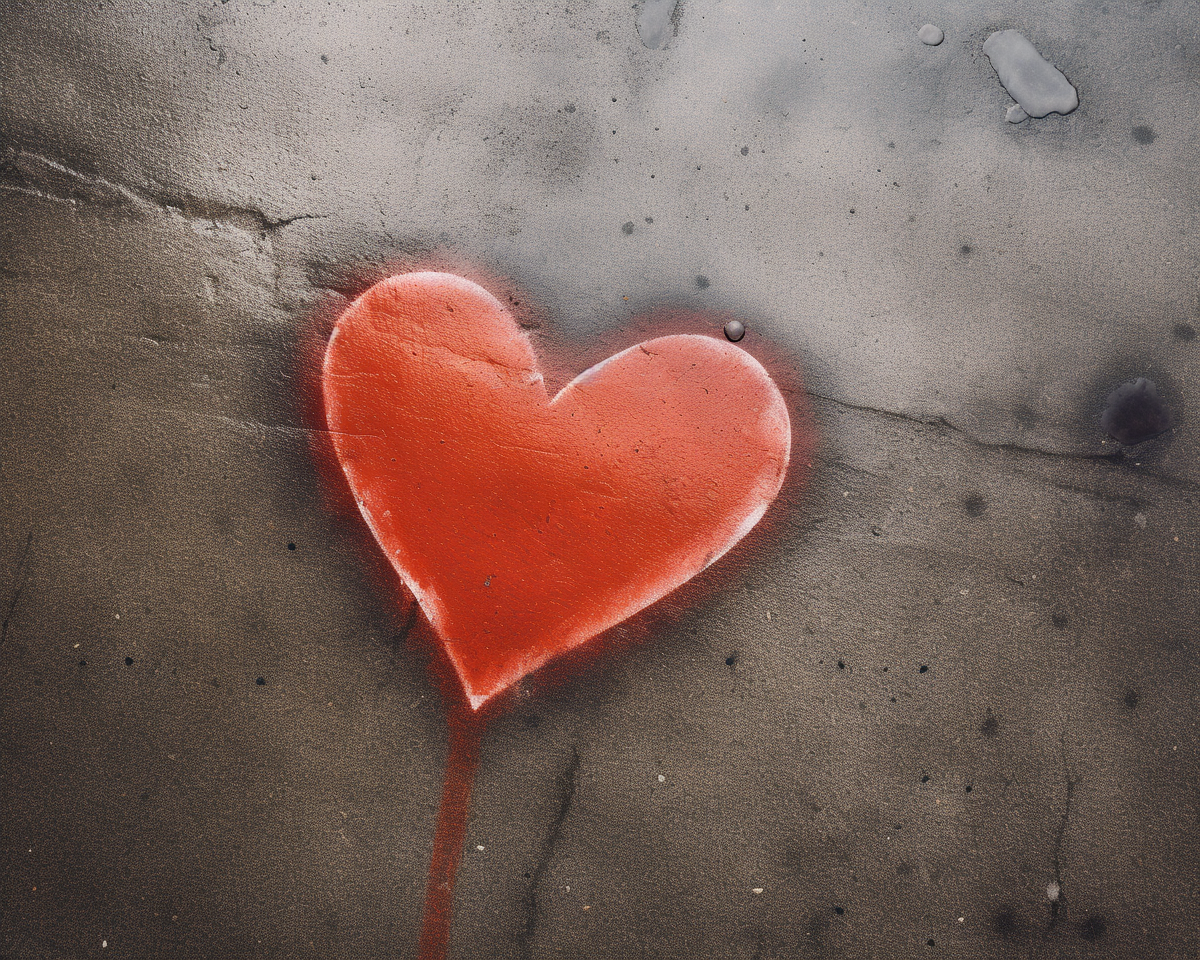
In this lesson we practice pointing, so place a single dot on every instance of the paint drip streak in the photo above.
(448, 840)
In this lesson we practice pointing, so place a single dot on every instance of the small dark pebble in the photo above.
(129, 661)
(261, 681)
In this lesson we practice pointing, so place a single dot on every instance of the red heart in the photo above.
(524, 524)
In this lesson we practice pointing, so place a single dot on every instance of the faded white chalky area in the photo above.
(931, 35)
(1035, 84)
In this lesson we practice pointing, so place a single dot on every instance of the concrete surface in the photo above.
(955, 677)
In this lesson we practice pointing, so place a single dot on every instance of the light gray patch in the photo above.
(1039, 87)
(655, 24)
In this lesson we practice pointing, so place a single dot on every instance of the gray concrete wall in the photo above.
(960, 669)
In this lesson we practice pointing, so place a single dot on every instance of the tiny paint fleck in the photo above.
(661, 778)
(757, 890)
(735, 330)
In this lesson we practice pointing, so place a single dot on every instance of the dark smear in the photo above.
(745, 151)
(1004, 922)
(839, 910)
(627, 227)
(905, 869)
(974, 504)
(965, 249)
(990, 726)
(1144, 134)
(1185, 332)
(569, 108)
(83, 663)
(923, 669)
(1059, 620)
(261, 681)
(735, 330)
(1135, 412)
(702, 282)
(841, 664)
(1094, 927)
(924, 778)
(129, 661)
(19, 581)
(1132, 698)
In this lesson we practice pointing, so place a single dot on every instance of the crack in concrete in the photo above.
(35, 175)
(18, 587)
(568, 783)
(940, 421)
(1113, 459)
(1060, 901)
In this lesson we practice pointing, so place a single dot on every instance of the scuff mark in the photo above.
(18, 587)
(568, 782)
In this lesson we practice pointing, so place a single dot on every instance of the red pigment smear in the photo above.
(525, 525)
(465, 734)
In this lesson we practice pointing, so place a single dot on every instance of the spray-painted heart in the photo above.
(525, 524)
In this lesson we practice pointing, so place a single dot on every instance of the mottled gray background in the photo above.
(961, 668)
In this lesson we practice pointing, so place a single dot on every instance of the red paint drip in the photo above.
(466, 731)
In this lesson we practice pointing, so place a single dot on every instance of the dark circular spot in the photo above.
(965, 250)
(969, 788)
(930, 943)
(291, 546)
(735, 330)
(745, 151)
(129, 661)
(1094, 927)
(1004, 921)
(702, 282)
(1132, 698)
(1059, 620)
(1135, 412)
(852, 210)
(1144, 134)
(570, 108)
(83, 663)
(1185, 332)
(841, 664)
(324, 58)
(990, 726)
(924, 778)
(923, 669)
(261, 681)
(974, 504)
(839, 910)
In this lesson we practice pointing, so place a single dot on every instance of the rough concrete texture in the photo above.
(955, 677)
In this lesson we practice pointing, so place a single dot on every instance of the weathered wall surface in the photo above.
(959, 673)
